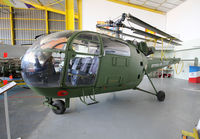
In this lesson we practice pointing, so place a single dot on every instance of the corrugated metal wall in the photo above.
(29, 23)
(4, 25)
(56, 22)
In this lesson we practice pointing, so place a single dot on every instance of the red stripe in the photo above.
(194, 80)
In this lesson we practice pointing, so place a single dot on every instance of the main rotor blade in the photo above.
(140, 32)
(143, 33)
(126, 34)
(148, 26)
(139, 38)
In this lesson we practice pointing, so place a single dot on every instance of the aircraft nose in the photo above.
(36, 67)
(42, 68)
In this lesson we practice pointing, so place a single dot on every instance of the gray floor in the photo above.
(127, 114)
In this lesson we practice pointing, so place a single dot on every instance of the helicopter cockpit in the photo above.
(43, 63)
(84, 65)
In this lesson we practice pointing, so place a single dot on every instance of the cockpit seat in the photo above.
(75, 65)
(75, 71)
(94, 66)
(85, 65)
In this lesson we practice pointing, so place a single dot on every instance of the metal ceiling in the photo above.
(55, 4)
(160, 5)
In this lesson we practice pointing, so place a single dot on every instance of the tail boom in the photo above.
(157, 63)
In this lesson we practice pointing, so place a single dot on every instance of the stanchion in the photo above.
(3, 90)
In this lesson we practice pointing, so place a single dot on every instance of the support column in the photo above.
(47, 22)
(11, 27)
(79, 14)
(7, 115)
(69, 17)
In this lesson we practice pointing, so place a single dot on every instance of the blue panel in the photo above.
(194, 69)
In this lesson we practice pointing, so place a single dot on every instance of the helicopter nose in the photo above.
(36, 67)
(41, 68)
(29, 68)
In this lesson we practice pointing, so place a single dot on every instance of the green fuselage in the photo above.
(115, 72)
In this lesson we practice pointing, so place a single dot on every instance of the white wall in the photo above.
(103, 10)
(184, 20)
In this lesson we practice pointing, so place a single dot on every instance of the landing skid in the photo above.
(83, 98)
(59, 106)
(159, 94)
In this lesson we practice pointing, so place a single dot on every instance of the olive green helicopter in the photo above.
(71, 64)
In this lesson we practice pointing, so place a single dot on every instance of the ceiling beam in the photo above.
(48, 8)
(44, 7)
(137, 6)
(55, 2)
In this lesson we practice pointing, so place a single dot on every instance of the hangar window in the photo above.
(115, 47)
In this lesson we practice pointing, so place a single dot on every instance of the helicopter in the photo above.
(69, 64)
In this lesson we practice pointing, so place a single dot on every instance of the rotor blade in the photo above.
(139, 38)
(106, 29)
(143, 33)
(187, 49)
(126, 34)
(146, 34)
(148, 26)
(104, 25)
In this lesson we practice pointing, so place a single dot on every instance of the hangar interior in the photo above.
(30, 30)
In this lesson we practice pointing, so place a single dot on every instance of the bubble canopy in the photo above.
(43, 62)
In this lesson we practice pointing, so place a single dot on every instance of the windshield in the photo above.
(41, 64)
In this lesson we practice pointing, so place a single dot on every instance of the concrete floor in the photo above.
(127, 114)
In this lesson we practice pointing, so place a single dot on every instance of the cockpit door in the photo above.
(114, 63)
(84, 61)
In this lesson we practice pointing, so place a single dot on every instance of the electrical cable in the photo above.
(176, 67)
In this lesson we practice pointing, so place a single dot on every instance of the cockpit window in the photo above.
(53, 36)
(43, 73)
(86, 43)
(55, 44)
(115, 47)
(89, 37)
(83, 67)
(42, 67)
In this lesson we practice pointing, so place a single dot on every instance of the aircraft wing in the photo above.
(156, 63)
